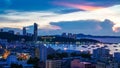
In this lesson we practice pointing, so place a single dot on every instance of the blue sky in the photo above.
(95, 17)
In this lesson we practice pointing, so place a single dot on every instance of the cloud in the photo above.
(66, 10)
(44, 18)
(5, 20)
(100, 3)
(111, 13)
(96, 25)
(92, 27)
(14, 19)
(80, 24)
(78, 6)
(39, 5)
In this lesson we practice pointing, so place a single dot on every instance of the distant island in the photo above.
(59, 38)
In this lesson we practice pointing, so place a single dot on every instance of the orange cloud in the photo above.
(116, 28)
(78, 6)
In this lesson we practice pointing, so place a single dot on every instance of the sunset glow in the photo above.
(79, 6)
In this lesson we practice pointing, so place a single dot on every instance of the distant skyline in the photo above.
(94, 17)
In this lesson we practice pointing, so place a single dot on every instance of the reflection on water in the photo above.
(113, 47)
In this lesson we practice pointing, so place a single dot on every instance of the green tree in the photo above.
(33, 61)
(16, 66)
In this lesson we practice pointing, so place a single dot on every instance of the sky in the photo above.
(93, 17)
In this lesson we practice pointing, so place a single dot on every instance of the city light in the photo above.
(6, 54)
(65, 48)
(59, 33)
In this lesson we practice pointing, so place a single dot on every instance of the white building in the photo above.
(41, 53)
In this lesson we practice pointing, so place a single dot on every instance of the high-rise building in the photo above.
(24, 30)
(35, 32)
(69, 35)
(41, 53)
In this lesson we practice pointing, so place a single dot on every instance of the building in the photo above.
(117, 56)
(29, 34)
(101, 53)
(53, 63)
(74, 36)
(64, 35)
(24, 31)
(3, 41)
(35, 32)
(11, 31)
(11, 59)
(100, 65)
(107, 65)
(41, 53)
(41, 64)
(1, 30)
(17, 33)
(77, 64)
(69, 35)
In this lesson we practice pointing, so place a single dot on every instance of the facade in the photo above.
(100, 65)
(117, 56)
(53, 64)
(101, 53)
(11, 59)
(24, 31)
(74, 36)
(64, 35)
(107, 65)
(17, 33)
(69, 35)
(35, 32)
(11, 31)
(41, 64)
(29, 34)
(41, 53)
(77, 64)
